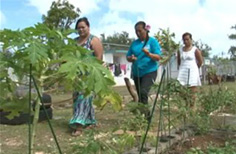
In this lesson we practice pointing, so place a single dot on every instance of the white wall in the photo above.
(108, 57)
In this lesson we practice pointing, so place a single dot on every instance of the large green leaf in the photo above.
(55, 57)
(112, 97)
(14, 106)
(37, 52)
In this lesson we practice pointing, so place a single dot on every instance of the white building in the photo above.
(118, 57)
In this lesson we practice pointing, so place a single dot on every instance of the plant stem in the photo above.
(34, 124)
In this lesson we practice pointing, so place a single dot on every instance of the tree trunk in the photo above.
(131, 90)
(34, 124)
(36, 118)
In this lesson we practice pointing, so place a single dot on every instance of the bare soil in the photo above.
(202, 142)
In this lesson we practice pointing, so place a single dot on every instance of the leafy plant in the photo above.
(124, 142)
(55, 58)
(229, 147)
(94, 142)
(165, 38)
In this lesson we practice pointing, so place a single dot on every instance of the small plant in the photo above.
(228, 148)
(93, 142)
(165, 38)
(137, 121)
(124, 142)
(210, 101)
(196, 150)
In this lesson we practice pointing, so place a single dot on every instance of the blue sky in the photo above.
(207, 20)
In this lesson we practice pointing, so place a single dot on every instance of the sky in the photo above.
(209, 21)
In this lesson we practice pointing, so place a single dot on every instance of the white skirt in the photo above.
(189, 76)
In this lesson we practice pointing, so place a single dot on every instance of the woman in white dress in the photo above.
(189, 60)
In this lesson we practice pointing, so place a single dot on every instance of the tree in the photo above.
(203, 47)
(70, 69)
(61, 15)
(232, 50)
(117, 40)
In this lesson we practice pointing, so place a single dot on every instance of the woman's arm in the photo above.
(131, 58)
(198, 55)
(97, 47)
(152, 55)
(155, 50)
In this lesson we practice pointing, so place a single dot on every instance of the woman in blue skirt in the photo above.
(83, 111)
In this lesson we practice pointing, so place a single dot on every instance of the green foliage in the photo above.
(211, 71)
(136, 122)
(96, 143)
(196, 150)
(213, 99)
(61, 15)
(138, 108)
(123, 142)
(14, 106)
(111, 97)
(165, 38)
(209, 101)
(202, 122)
(118, 38)
(55, 58)
(203, 47)
(228, 148)
(91, 144)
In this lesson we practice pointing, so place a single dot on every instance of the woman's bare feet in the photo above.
(90, 126)
(77, 132)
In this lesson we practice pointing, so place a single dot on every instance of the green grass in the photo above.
(14, 139)
(228, 85)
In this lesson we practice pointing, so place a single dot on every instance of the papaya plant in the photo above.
(55, 58)
(165, 38)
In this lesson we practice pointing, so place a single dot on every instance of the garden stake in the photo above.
(154, 104)
(50, 125)
(163, 137)
(29, 122)
(164, 116)
(168, 98)
(187, 100)
(159, 127)
(165, 91)
(170, 123)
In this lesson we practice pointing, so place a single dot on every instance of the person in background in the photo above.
(83, 111)
(144, 53)
(189, 59)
